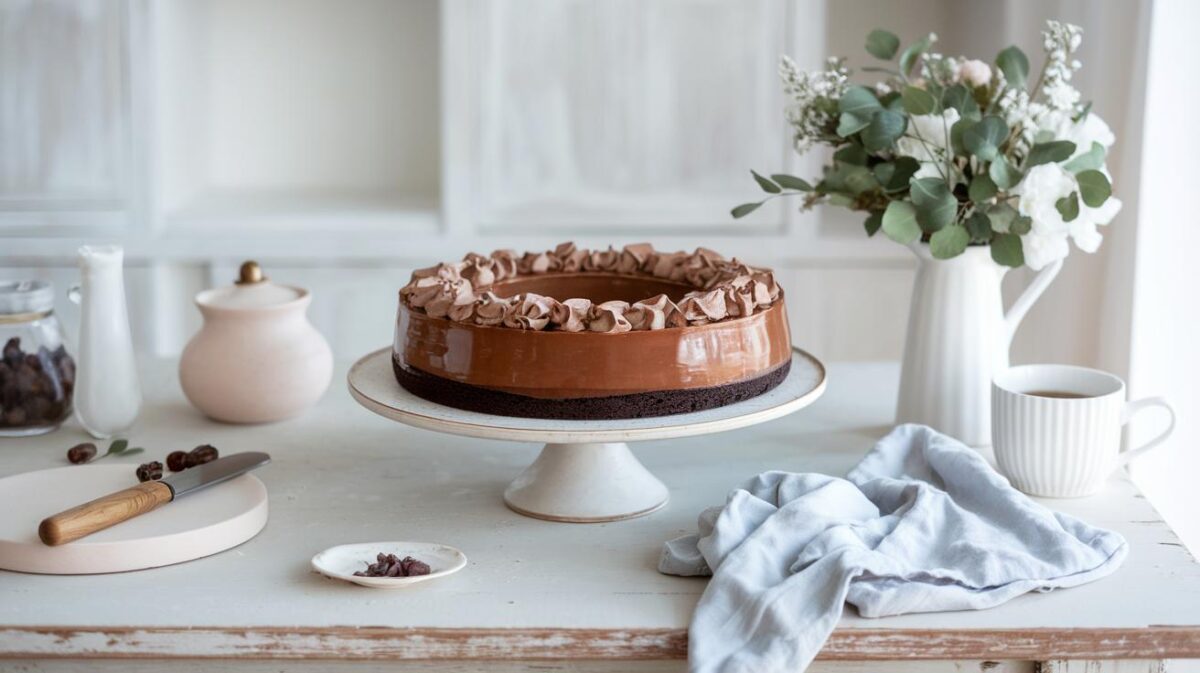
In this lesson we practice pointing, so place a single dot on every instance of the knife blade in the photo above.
(109, 510)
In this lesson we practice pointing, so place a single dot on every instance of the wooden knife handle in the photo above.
(103, 512)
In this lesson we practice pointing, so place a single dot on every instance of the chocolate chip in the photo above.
(390, 565)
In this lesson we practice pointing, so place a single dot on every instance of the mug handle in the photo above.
(1132, 408)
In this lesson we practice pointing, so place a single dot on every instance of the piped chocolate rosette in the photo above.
(577, 333)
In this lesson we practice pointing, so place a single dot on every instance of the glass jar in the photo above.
(37, 376)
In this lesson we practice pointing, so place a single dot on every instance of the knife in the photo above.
(114, 508)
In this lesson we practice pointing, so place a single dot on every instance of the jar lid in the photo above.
(26, 296)
(252, 290)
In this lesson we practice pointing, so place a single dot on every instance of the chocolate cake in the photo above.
(591, 334)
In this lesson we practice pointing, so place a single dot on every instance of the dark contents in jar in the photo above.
(35, 388)
(389, 565)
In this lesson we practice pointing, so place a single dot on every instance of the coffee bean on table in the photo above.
(150, 471)
(81, 453)
(177, 461)
(205, 453)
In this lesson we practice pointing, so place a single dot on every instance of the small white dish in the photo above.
(343, 561)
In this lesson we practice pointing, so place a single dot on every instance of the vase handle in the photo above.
(1012, 319)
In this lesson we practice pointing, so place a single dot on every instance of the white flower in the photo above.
(927, 140)
(1090, 129)
(974, 72)
(1046, 241)
(1083, 228)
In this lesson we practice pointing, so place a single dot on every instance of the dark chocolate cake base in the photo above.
(633, 405)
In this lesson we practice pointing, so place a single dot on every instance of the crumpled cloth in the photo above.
(922, 524)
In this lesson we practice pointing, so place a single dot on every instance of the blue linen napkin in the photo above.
(922, 524)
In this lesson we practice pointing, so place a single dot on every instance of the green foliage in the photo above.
(935, 206)
(1015, 66)
(982, 188)
(873, 222)
(745, 209)
(859, 101)
(882, 45)
(849, 124)
(791, 182)
(1007, 250)
(1088, 161)
(1001, 217)
(851, 154)
(984, 138)
(979, 226)
(949, 242)
(1003, 174)
(1068, 206)
(1094, 188)
(900, 222)
(1049, 152)
(885, 127)
(959, 97)
(767, 186)
(895, 175)
(909, 58)
(918, 101)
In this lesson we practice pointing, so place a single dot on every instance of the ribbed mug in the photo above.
(1056, 429)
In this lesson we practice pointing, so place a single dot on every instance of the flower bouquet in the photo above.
(956, 152)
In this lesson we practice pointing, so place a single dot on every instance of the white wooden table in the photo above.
(536, 595)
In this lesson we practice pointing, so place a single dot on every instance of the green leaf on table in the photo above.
(745, 209)
(984, 139)
(1048, 153)
(1094, 188)
(1015, 66)
(849, 124)
(918, 101)
(882, 44)
(859, 101)
(949, 242)
(1007, 250)
(1088, 161)
(767, 186)
(1068, 206)
(982, 188)
(895, 175)
(118, 446)
(1021, 225)
(959, 97)
(979, 226)
(909, 58)
(873, 222)
(1001, 216)
(885, 127)
(900, 222)
(851, 154)
(791, 182)
(1003, 174)
(936, 207)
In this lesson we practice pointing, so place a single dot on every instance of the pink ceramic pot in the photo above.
(257, 359)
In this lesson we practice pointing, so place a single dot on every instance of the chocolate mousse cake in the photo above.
(591, 334)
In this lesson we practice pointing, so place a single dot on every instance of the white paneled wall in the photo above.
(344, 143)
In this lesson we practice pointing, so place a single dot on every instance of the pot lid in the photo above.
(26, 296)
(251, 290)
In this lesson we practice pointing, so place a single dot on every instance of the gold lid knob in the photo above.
(249, 273)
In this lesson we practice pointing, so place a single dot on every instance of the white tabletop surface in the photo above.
(341, 474)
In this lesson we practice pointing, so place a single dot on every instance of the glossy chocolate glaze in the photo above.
(564, 365)
(596, 286)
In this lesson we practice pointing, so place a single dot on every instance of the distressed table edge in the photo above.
(385, 643)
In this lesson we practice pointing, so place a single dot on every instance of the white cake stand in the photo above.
(586, 472)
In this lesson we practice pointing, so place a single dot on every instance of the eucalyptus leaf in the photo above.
(1047, 153)
(1094, 188)
(956, 134)
(885, 127)
(1007, 251)
(1001, 217)
(895, 175)
(859, 179)
(859, 101)
(841, 200)
(851, 154)
(982, 188)
(1068, 206)
(1003, 174)
(918, 101)
(949, 242)
(1015, 66)
(882, 44)
(936, 207)
(909, 58)
(959, 97)
(791, 182)
(849, 124)
(745, 209)
(979, 226)
(900, 222)
(873, 222)
(767, 186)
(1088, 161)
(1021, 225)
(984, 139)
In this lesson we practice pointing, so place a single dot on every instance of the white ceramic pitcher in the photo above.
(958, 339)
(108, 396)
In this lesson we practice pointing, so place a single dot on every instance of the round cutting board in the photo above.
(196, 525)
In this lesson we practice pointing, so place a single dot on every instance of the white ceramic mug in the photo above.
(1063, 447)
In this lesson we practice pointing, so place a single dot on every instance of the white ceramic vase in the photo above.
(958, 339)
(108, 396)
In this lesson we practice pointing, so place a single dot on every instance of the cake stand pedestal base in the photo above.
(586, 473)
(586, 483)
